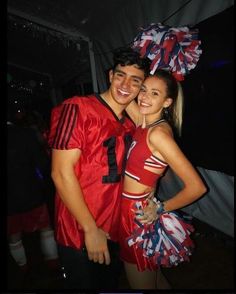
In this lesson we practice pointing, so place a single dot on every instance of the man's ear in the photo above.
(111, 74)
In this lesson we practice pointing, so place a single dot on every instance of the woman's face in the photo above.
(152, 97)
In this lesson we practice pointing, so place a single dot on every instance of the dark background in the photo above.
(208, 126)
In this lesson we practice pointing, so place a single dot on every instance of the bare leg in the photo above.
(161, 281)
(146, 279)
(140, 280)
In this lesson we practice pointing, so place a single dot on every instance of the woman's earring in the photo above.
(166, 112)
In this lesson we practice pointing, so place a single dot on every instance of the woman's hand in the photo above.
(148, 214)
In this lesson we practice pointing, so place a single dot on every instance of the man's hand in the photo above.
(96, 245)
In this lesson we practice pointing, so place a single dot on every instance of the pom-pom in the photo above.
(174, 49)
(166, 241)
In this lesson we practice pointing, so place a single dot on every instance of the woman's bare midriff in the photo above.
(132, 186)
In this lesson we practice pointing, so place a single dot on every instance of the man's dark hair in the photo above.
(127, 56)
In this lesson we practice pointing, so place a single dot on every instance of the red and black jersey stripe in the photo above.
(66, 124)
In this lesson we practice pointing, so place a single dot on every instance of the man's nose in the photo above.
(126, 82)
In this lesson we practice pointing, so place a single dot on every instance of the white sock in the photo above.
(18, 252)
(48, 244)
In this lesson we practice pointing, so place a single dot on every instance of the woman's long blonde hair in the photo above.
(174, 113)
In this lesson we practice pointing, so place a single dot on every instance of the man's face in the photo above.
(126, 82)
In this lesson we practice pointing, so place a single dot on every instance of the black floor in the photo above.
(211, 267)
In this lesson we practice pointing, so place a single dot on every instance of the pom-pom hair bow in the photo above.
(174, 49)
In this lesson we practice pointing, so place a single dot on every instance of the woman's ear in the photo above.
(168, 102)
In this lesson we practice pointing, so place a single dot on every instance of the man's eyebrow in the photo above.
(133, 76)
(119, 70)
(116, 69)
(136, 77)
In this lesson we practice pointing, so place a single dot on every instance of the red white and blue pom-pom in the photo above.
(166, 241)
(172, 48)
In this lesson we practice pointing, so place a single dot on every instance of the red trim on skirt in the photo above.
(30, 221)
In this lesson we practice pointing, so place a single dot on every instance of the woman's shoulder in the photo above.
(161, 130)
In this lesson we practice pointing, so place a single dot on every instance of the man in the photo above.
(89, 138)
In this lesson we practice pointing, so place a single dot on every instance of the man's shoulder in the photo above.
(79, 99)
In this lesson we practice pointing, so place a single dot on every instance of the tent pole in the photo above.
(93, 67)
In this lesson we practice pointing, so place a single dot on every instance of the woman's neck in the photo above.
(149, 121)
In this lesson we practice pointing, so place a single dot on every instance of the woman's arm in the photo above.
(193, 186)
(133, 111)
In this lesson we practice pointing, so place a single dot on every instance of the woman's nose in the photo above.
(145, 96)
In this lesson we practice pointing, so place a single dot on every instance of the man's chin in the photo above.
(124, 101)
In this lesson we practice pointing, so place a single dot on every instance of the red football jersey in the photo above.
(88, 123)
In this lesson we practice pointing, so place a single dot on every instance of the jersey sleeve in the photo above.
(66, 128)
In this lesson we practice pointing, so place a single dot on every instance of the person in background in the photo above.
(90, 136)
(36, 121)
(146, 241)
(27, 163)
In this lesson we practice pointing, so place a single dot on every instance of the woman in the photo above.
(154, 149)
